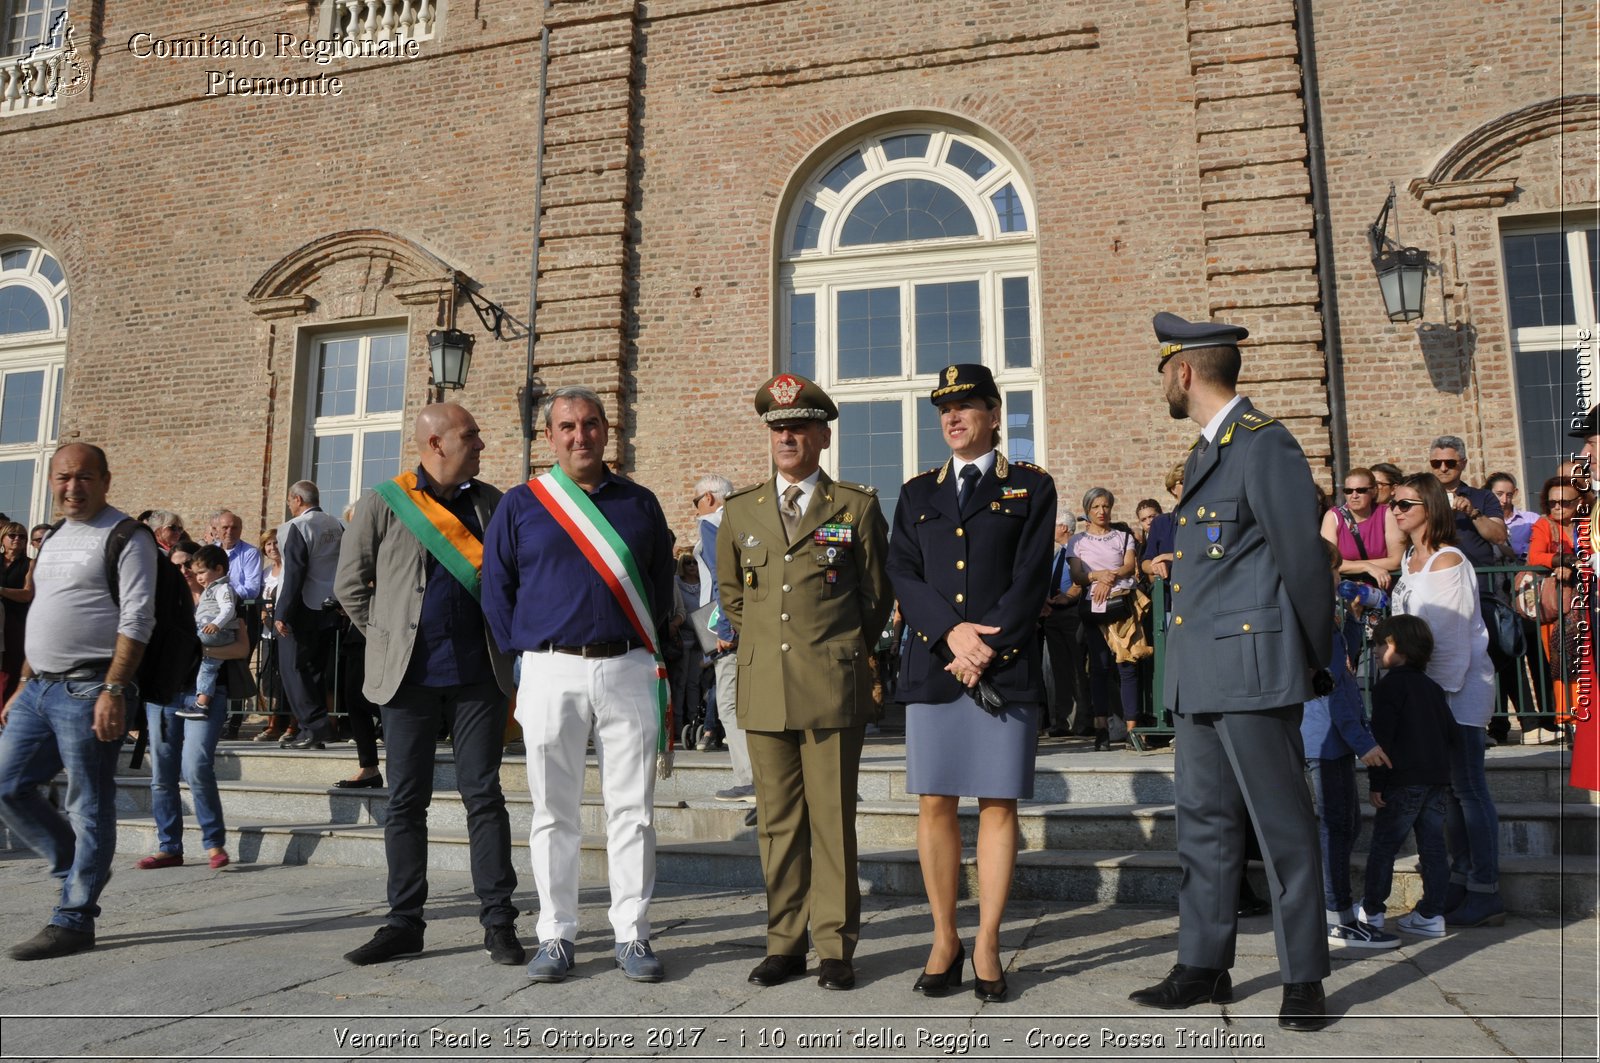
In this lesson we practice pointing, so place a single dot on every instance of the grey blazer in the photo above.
(382, 570)
(1252, 594)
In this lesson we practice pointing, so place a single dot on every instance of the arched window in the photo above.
(902, 253)
(34, 310)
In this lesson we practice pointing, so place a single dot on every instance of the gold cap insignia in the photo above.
(950, 375)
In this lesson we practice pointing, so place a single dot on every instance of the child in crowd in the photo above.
(216, 622)
(1334, 731)
(1412, 721)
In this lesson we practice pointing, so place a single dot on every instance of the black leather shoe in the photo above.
(306, 740)
(1184, 987)
(386, 944)
(1304, 1007)
(371, 782)
(836, 974)
(776, 970)
(935, 985)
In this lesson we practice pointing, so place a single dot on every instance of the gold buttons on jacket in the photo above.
(783, 616)
(1178, 555)
(786, 587)
(784, 647)
(788, 557)
(960, 565)
(1183, 521)
(960, 598)
(1176, 589)
(1247, 627)
(1177, 620)
(960, 532)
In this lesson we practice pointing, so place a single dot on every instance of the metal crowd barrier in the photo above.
(1534, 698)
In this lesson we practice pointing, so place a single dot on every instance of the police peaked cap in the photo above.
(965, 380)
(1176, 334)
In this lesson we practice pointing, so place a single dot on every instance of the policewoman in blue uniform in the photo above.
(1252, 624)
(970, 565)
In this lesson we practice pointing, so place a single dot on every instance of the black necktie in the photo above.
(969, 480)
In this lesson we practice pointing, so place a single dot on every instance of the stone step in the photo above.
(1526, 828)
(1529, 884)
(1068, 772)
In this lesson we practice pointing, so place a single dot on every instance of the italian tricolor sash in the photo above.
(440, 531)
(614, 563)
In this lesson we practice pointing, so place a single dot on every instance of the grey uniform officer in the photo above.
(1252, 623)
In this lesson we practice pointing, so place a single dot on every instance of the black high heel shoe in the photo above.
(989, 992)
(1102, 740)
(935, 985)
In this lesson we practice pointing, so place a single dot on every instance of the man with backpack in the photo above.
(85, 641)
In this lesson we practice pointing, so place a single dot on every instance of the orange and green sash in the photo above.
(440, 531)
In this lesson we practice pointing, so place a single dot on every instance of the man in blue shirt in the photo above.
(244, 576)
(555, 550)
(711, 492)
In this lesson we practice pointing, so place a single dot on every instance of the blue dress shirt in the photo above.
(244, 570)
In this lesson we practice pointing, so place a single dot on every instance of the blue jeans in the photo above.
(1408, 809)
(1472, 826)
(186, 747)
(211, 667)
(50, 727)
(1333, 793)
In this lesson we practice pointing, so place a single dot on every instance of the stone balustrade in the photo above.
(386, 21)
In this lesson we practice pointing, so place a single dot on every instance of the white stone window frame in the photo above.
(43, 351)
(1585, 327)
(359, 425)
(989, 257)
(392, 21)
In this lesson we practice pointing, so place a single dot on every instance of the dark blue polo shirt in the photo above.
(538, 588)
(450, 648)
(1479, 550)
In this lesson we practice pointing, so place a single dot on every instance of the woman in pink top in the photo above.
(1369, 540)
(1101, 558)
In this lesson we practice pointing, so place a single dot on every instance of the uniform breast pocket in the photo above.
(1247, 647)
(837, 567)
(753, 571)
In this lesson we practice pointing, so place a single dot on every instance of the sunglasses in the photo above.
(1356, 490)
(1563, 502)
(1406, 505)
(697, 498)
(1445, 463)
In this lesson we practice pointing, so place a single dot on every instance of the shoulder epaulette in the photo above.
(866, 489)
(930, 472)
(741, 491)
(1015, 464)
(1253, 420)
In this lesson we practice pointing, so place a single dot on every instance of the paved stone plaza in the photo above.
(245, 963)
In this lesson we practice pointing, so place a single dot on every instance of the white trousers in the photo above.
(560, 700)
(727, 669)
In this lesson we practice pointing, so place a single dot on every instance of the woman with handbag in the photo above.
(1103, 560)
(1439, 584)
(970, 564)
(1369, 540)
(1552, 546)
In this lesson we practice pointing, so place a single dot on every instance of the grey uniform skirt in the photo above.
(958, 750)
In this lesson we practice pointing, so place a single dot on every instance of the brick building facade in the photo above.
(224, 249)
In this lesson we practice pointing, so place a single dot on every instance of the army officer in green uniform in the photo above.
(800, 567)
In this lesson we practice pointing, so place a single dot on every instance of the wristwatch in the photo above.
(116, 690)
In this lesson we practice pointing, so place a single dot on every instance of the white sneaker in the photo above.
(1428, 926)
(1356, 935)
(1372, 919)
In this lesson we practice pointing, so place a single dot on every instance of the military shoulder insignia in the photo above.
(866, 489)
(1001, 466)
(1030, 466)
(741, 491)
(1253, 420)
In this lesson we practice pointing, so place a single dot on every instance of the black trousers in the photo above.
(411, 724)
(1063, 638)
(300, 658)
